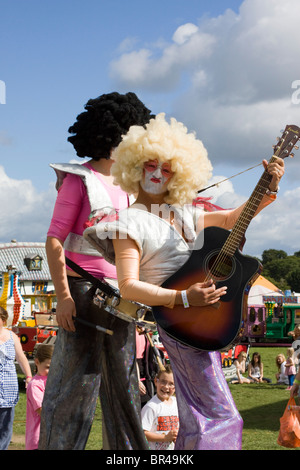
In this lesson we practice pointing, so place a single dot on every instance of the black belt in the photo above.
(104, 286)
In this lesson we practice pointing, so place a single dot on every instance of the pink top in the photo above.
(140, 345)
(71, 211)
(35, 394)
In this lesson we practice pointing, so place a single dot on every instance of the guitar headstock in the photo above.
(287, 142)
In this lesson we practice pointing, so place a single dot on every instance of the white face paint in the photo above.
(155, 177)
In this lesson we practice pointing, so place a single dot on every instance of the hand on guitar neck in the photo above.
(276, 170)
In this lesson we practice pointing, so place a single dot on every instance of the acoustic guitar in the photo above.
(218, 326)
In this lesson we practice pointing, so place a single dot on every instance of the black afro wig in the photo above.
(100, 128)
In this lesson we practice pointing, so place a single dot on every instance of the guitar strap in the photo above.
(110, 291)
(106, 288)
(97, 283)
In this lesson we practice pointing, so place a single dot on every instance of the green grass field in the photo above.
(260, 405)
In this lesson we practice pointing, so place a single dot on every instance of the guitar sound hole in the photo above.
(220, 267)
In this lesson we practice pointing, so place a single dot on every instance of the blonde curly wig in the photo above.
(166, 143)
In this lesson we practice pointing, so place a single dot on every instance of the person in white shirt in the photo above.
(281, 376)
(160, 419)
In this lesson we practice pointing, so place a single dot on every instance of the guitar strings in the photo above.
(249, 210)
(241, 172)
(229, 178)
(246, 216)
(235, 237)
(259, 191)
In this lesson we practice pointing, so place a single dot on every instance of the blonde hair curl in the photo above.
(167, 143)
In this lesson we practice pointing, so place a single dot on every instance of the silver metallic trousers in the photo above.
(208, 417)
(84, 363)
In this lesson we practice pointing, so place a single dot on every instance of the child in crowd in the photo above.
(10, 350)
(295, 333)
(240, 364)
(296, 345)
(290, 368)
(256, 370)
(148, 358)
(281, 376)
(160, 419)
(35, 395)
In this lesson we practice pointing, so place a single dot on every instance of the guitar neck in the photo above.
(237, 234)
(283, 149)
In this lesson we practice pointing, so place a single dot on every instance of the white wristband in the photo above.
(272, 193)
(184, 299)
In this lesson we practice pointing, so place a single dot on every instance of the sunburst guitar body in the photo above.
(214, 327)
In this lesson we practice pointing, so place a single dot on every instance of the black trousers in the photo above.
(84, 363)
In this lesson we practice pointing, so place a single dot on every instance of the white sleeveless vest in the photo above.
(162, 248)
(99, 199)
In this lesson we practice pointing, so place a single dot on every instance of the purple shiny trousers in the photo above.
(208, 418)
(83, 364)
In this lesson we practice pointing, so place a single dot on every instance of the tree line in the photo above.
(282, 269)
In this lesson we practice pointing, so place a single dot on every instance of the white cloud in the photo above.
(127, 45)
(255, 50)
(241, 134)
(160, 68)
(24, 212)
(277, 226)
(184, 33)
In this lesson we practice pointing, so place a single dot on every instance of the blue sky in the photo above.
(224, 68)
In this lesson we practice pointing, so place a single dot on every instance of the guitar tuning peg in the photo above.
(296, 147)
(292, 155)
